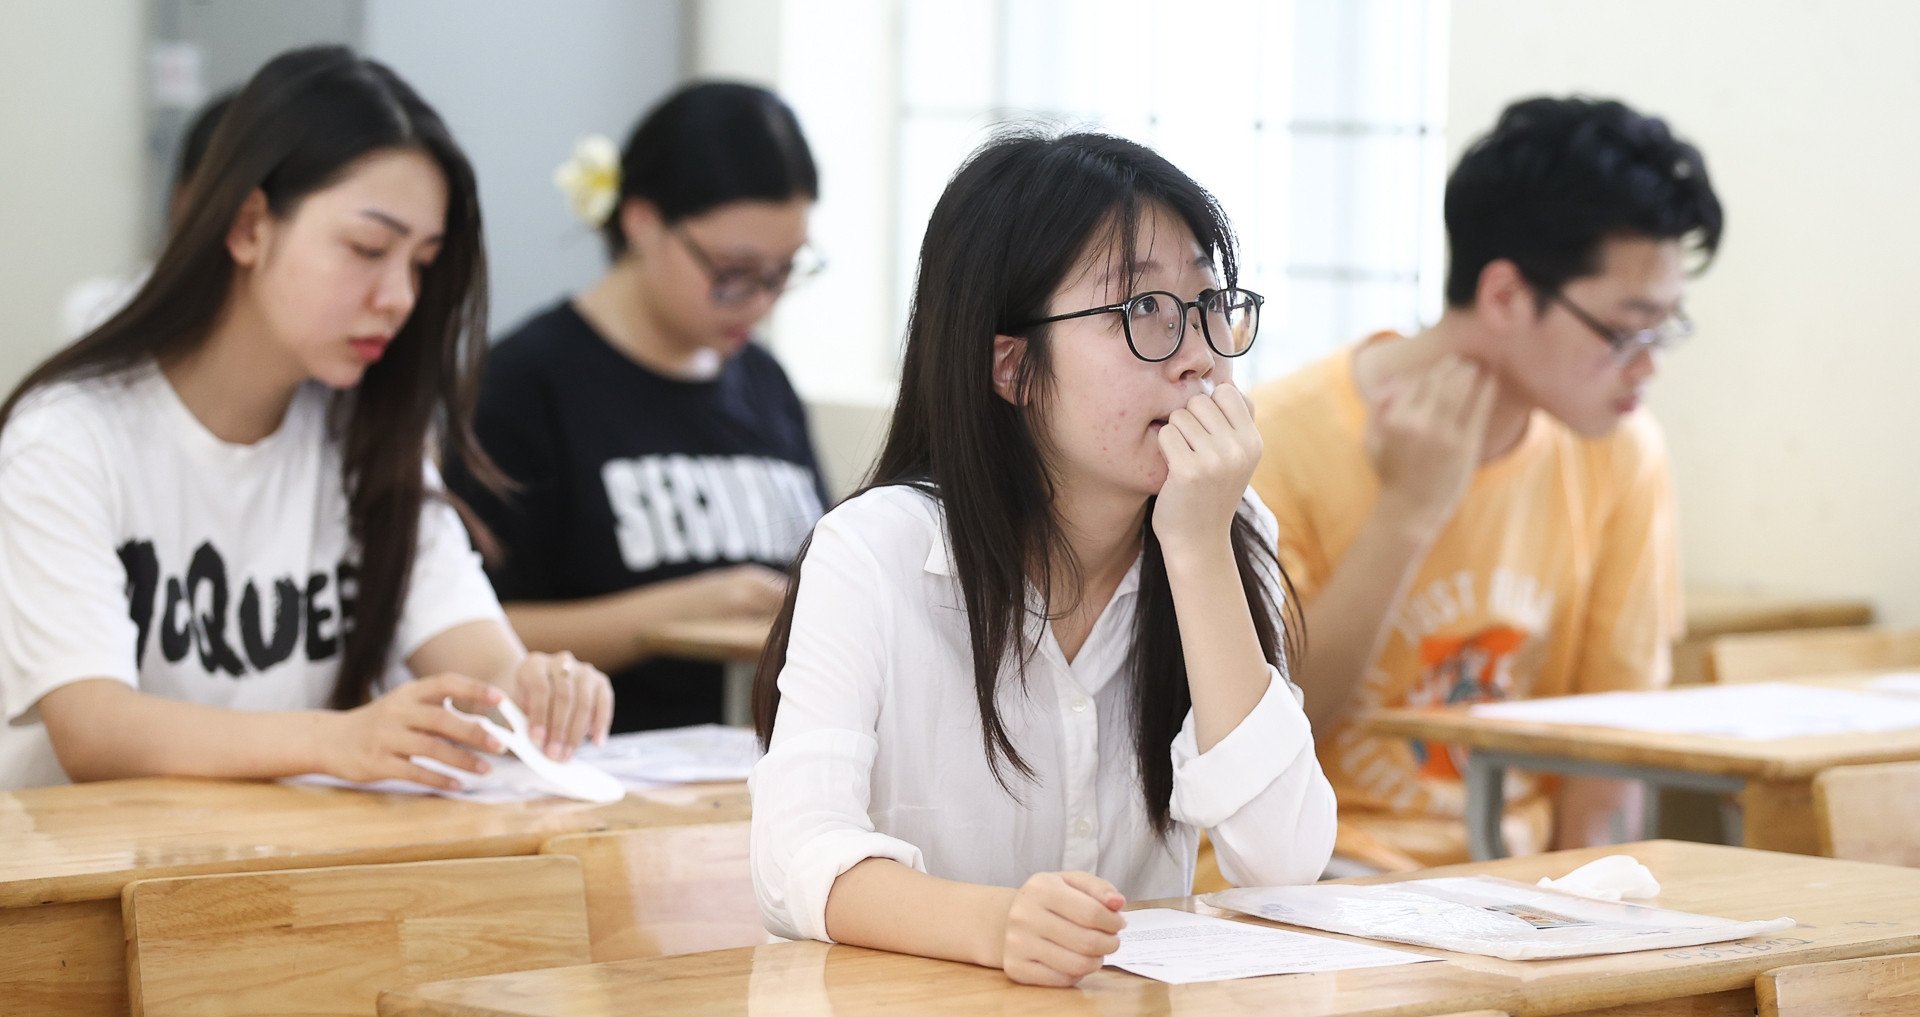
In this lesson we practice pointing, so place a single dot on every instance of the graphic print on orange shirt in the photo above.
(1453, 669)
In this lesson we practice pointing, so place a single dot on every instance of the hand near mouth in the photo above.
(1211, 447)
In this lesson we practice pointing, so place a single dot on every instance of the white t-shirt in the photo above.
(137, 546)
(876, 752)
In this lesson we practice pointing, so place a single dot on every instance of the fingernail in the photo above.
(538, 734)
(493, 745)
(485, 766)
(556, 751)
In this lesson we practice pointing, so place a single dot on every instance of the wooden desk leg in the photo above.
(63, 959)
(1778, 816)
(1485, 783)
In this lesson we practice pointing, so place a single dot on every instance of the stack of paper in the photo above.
(1484, 915)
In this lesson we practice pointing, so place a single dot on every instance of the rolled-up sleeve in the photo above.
(812, 790)
(1259, 793)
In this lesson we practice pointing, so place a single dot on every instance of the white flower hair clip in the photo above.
(591, 179)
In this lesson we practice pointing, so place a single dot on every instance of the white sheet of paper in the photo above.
(1758, 712)
(1180, 947)
(639, 760)
(680, 755)
(1898, 682)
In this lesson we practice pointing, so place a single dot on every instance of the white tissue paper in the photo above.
(528, 768)
(1615, 877)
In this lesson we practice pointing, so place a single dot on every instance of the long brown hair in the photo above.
(297, 127)
(1015, 220)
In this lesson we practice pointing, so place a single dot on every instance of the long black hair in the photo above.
(708, 144)
(296, 128)
(1016, 220)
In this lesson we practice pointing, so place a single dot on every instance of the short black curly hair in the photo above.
(1556, 177)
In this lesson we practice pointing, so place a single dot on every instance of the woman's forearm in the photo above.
(103, 729)
(1226, 672)
(885, 905)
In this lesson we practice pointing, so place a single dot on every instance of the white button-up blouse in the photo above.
(876, 752)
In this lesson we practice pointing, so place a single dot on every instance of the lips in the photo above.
(370, 348)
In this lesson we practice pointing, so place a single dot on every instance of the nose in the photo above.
(396, 290)
(1194, 358)
(1644, 364)
(760, 304)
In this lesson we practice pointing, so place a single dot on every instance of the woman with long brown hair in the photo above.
(217, 514)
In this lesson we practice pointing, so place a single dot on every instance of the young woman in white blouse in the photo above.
(1022, 670)
(217, 516)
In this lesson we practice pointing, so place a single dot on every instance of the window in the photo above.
(1317, 123)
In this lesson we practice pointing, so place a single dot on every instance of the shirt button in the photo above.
(1080, 704)
(1082, 828)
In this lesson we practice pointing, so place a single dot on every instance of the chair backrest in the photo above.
(665, 890)
(1765, 656)
(328, 941)
(1867, 813)
(1881, 986)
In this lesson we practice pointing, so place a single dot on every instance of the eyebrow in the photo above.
(1649, 307)
(393, 224)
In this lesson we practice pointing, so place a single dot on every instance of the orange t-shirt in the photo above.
(1557, 574)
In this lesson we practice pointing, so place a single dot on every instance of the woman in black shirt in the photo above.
(662, 459)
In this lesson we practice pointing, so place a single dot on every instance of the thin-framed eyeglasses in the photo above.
(1627, 343)
(733, 287)
(1156, 321)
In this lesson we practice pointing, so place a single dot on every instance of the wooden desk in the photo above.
(1774, 778)
(1712, 613)
(1847, 909)
(66, 853)
(735, 642)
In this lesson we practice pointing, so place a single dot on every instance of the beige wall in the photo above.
(1793, 414)
(72, 175)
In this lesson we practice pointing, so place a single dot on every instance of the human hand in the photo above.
(378, 740)
(752, 591)
(1425, 441)
(1060, 928)
(566, 701)
(1211, 447)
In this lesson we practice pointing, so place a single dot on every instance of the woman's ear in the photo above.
(1009, 352)
(248, 236)
(640, 223)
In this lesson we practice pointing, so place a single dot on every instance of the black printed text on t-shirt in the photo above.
(198, 612)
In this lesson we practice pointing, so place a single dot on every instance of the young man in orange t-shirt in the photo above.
(1481, 511)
